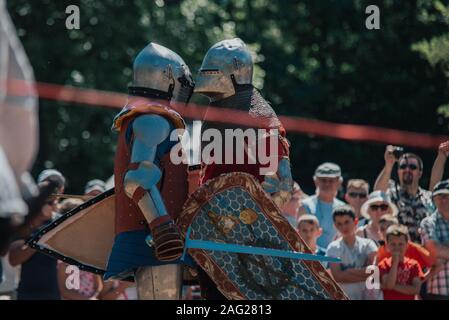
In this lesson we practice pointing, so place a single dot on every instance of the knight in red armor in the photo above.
(225, 77)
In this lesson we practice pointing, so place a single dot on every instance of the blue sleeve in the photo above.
(306, 206)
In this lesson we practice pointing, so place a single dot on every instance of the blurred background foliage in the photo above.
(315, 59)
(436, 48)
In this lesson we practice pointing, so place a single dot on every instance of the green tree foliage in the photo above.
(436, 48)
(314, 59)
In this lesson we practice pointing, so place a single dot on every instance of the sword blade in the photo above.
(235, 248)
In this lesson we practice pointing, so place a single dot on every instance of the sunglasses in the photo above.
(375, 207)
(361, 195)
(411, 166)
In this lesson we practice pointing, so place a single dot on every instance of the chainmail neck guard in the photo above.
(249, 99)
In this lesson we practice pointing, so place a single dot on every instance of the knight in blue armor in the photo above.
(149, 189)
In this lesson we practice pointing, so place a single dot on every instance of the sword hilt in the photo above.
(186, 242)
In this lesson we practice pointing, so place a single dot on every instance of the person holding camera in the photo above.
(414, 203)
(438, 165)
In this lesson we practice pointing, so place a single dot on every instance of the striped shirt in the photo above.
(412, 209)
(436, 228)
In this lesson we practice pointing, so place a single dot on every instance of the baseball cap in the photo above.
(52, 174)
(95, 184)
(442, 187)
(328, 170)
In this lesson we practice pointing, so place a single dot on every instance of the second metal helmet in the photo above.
(161, 73)
(226, 65)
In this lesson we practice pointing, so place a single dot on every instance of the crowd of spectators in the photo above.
(400, 228)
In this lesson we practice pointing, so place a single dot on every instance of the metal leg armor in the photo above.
(159, 282)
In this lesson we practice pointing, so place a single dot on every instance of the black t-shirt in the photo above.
(39, 279)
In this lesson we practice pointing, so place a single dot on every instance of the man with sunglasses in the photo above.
(357, 191)
(414, 203)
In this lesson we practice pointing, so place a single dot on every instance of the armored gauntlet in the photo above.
(167, 241)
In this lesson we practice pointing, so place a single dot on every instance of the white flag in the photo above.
(18, 116)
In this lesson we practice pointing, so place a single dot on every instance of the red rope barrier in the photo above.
(237, 117)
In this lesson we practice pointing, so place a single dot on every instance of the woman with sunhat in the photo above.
(377, 205)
